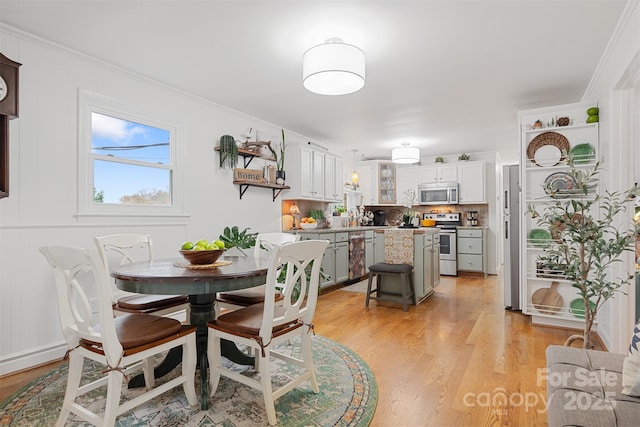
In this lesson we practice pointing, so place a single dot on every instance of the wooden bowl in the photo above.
(202, 257)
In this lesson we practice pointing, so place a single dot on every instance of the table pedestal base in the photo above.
(202, 311)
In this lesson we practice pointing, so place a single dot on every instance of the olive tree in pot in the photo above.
(585, 239)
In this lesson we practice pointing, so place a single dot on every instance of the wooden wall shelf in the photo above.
(247, 156)
(276, 189)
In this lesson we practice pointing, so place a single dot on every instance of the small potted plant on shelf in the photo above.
(586, 241)
(464, 157)
(228, 152)
(278, 154)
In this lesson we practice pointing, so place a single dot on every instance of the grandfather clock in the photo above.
(8, 110)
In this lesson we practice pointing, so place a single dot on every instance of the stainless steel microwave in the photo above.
(441, 193)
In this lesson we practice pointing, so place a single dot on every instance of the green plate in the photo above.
(576, 307)
(538, 237)
(582, 153)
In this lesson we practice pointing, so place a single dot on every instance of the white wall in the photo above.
(608, 86)
(42, 204)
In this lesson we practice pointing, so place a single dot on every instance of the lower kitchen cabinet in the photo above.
(472, 250)
(335, 262)
(369, 251)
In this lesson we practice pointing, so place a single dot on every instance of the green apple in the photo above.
(212, 247)
(592, 118)
(200, 248)
(593, 111)
(219, 244)
(202, 242)
(187, 246)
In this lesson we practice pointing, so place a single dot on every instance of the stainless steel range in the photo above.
(447, 223)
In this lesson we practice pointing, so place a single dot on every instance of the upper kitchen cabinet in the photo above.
(333, 177)
(406, 179)
(378, 183)
(313, 174)
(437, 173)
(471, 177)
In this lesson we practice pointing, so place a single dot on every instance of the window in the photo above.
(129, 161)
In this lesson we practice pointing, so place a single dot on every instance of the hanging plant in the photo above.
(228, 152)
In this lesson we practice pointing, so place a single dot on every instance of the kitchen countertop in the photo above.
(471, 227)
(419, 230)
(340, 230)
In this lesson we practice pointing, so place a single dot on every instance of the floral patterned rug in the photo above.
(348, 397)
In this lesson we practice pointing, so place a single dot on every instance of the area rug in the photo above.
(348, 397)
(359, 287)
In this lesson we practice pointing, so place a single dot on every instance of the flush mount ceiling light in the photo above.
(405, 154)
(333, 68)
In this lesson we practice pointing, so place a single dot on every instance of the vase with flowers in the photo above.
(409, 199)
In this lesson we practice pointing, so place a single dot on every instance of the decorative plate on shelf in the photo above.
(582, 153)
(548, 149)
(560, 184)
(538, 237)
(576, 307)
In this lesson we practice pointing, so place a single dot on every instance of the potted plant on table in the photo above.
(278, 154)
(586, 241)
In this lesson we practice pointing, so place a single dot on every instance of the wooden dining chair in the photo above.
(234, 300)
(263, 326)
(119, 249)
(121, 344)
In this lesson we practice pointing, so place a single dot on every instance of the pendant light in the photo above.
(333, 68)
(355, 179)
(405, 154)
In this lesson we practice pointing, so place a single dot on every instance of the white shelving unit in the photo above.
(534, 172)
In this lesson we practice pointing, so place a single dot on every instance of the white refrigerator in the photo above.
(511, 223)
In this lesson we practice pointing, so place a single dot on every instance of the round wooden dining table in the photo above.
(176, 277)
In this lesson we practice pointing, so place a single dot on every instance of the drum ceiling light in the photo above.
(333, 68)
(405, 154)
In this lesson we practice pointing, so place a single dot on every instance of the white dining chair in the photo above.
(234, 300)
(119, 249)
(121, 344)
(263, 326)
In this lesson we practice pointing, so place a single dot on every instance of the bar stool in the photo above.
(398, 260)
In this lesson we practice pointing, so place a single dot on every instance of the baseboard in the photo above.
(35, 357)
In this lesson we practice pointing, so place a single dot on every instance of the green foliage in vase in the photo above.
(586, 239)
(278, 153)
(316, 214)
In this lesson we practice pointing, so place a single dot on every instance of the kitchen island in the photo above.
(426, 262)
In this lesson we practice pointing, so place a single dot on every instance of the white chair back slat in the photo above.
(80, 276)
(300, 258)
(265, 242)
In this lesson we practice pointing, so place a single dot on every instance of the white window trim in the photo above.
(89, 102)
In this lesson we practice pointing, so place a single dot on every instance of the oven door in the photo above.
(448, 245)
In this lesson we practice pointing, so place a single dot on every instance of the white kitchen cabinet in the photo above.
(378, 182)
(437, 173)
(313, 174)
(333, 177)
(406, 179)
(538, 165)
(471, 180)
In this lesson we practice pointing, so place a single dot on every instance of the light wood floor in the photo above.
(449, 361)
